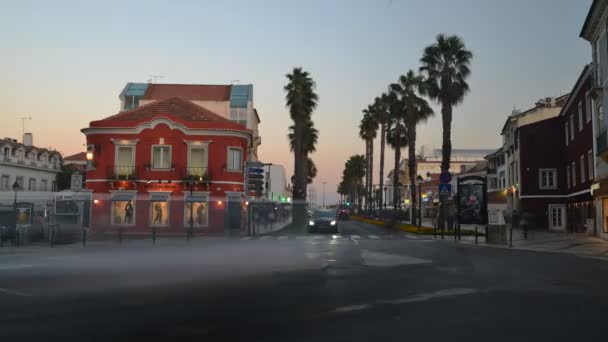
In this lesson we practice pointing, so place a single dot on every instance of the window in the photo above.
(580, 116)
(197, 161)
(43, 158)
(4, 183)
(161, 157)
(123, 211)
(239, 115)
(235, 158)
(588, 106)
(573, 173)
(159, 210)
(571, 127)
(196, 211)
(568, 176)
(567, 139)
(583, 174)
(32, 184)
(124, 160)
(590, 163)
(20, 182)
(547, 178)
(53, 186)
(20, 155)
(501, 180)
(43, 184)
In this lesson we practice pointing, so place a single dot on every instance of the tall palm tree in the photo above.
(301, 100)
(311, 136)
(367, 131)
(312, 171)
(381, 113)
(396, 136)
(446, 65)
(410, 89)
(354, 171)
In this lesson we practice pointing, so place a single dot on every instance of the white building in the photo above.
(275, 182)
(33, 168)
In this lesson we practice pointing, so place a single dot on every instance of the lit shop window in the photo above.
(123, 212)
(197, 212)
(159, 212)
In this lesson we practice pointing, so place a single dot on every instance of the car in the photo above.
(343, 213)
(323, 221)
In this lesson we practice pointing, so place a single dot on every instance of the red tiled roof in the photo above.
(174, 108)
(81, 156)
(192, 92)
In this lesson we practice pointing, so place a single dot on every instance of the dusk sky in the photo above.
(65, 62)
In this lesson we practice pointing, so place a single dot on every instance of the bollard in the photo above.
(84, 237)
(120, 235)
(476, 235)
(511, 236)
(154, 235)
(486, 231)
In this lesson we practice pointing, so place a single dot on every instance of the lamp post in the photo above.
(16, 187)
(419, 181)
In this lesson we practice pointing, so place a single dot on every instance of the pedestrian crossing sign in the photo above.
(445, 189)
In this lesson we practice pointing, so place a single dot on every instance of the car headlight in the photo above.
(333, 223)
(311, 223)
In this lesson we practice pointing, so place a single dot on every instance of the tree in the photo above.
(410, 89)
(311, 136)
(301, 100)
(352, 175)
(381, 113)
(396, 136)
(446, 65)
(311, 172)
(367, 131)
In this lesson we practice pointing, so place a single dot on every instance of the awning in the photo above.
(196, 199)
(159, 197)
(122, 197)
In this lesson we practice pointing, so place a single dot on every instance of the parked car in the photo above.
(323, 221)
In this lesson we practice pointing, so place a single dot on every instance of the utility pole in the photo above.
(324, 194)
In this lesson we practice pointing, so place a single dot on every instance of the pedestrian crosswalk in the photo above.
(335, 237)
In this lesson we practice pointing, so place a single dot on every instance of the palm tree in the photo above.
(410, 89)
(312, 171)
(301, 100)
(446, 65)
(381, 113)
(367, 131)
(311, 136)
(396, 136)
(354, 171)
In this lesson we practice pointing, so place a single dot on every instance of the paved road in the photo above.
(362, 284)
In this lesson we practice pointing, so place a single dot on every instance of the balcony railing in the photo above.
(196, 173)
(122, 172)
(602, 144)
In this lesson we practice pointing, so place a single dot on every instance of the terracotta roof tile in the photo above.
(192, 92)
(81, 156)
(177, 108)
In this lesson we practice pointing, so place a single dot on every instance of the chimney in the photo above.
(28, 139)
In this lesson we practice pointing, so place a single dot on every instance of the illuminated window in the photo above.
(123, 211)
(197, 161)
(159, 211)
(196, 211)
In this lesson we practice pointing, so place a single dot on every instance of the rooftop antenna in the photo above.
(235, 81)
(155, 78)
(23, 118)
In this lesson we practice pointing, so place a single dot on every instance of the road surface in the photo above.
(366, 283)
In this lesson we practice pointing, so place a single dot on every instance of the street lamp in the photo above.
(16, 187)
(419, 181)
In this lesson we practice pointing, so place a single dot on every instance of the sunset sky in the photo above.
(65, 65)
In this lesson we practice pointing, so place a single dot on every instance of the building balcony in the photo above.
(602, 144)
(196, 173)
(127, 172)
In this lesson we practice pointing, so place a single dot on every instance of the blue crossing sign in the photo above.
(445, 189)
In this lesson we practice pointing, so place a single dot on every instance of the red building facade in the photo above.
(167, 166)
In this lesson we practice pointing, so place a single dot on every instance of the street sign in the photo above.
(445, 189)
(76, 182)
(445, 177)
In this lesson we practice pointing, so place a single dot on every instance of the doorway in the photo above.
(557, 218)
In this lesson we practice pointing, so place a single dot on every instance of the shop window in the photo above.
(159, 212)
(196, 211)
(123, 212)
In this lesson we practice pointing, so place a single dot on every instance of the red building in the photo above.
(169, 164)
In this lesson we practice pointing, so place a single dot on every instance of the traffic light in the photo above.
(348, 204)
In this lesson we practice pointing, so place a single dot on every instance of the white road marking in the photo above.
(350, 308)
(336, 237)
(390, 260)
(283, 237)
(14, 293)
(421, 297)
(355, 236)
(375, 237)
(15, 267)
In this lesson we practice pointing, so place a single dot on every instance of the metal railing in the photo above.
(196, 173)
(122, 172)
